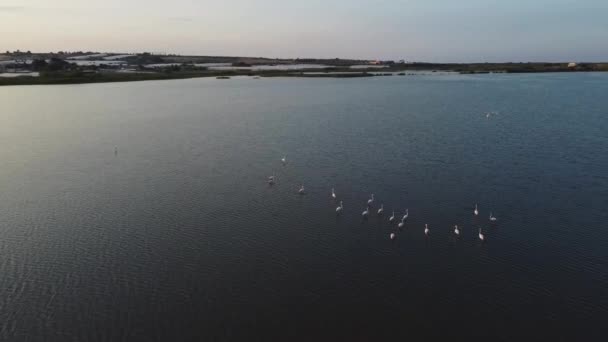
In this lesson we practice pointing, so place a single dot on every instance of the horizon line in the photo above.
(291, 58)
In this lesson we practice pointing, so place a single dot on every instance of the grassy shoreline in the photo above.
(109, 77)
(80, 77)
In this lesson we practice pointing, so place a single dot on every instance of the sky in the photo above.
(413, 30)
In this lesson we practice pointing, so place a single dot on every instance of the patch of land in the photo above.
(93, 67)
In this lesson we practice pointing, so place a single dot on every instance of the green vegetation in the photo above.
(78, 77)
(53, 65)
(144, 58)
(58, 68)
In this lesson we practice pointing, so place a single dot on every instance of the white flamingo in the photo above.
(365, 212)
(392, 218)
(381, 210)
(371, 200)
(492, 218)
(333, 193)
(400, 225)
(339, 209)
(301, 191)
(392, 236)
(407, 213)
(476, 212)
(481, 237)
(284, 160)
(456, 230)
(271, 180)
(426, 229)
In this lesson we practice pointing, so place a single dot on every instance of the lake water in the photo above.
(271, 67)
(19, 74)
(229, 66)
(177, 236)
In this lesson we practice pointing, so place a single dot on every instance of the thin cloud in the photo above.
(11, 8)
(182, 19)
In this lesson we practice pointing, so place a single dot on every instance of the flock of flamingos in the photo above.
(365, 214)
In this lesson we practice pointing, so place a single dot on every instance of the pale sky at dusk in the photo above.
(414, 30)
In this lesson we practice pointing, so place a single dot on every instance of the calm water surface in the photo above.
(178, 236)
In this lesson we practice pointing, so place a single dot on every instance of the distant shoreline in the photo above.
(76, 68)
(113, 78)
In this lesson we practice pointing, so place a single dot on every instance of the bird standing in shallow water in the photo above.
(426, 229)
(365, 213)
(481, 237)
(400, 225)
(339, 209)
(392, 218)
(371, 200)
(476, 212)
(392, 236)
(381, 210)
(456, 230)
(301, 191)
(284, 160)
(407, 213)
(333, 193)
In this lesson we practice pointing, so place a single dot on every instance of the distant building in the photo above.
(571, 65)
